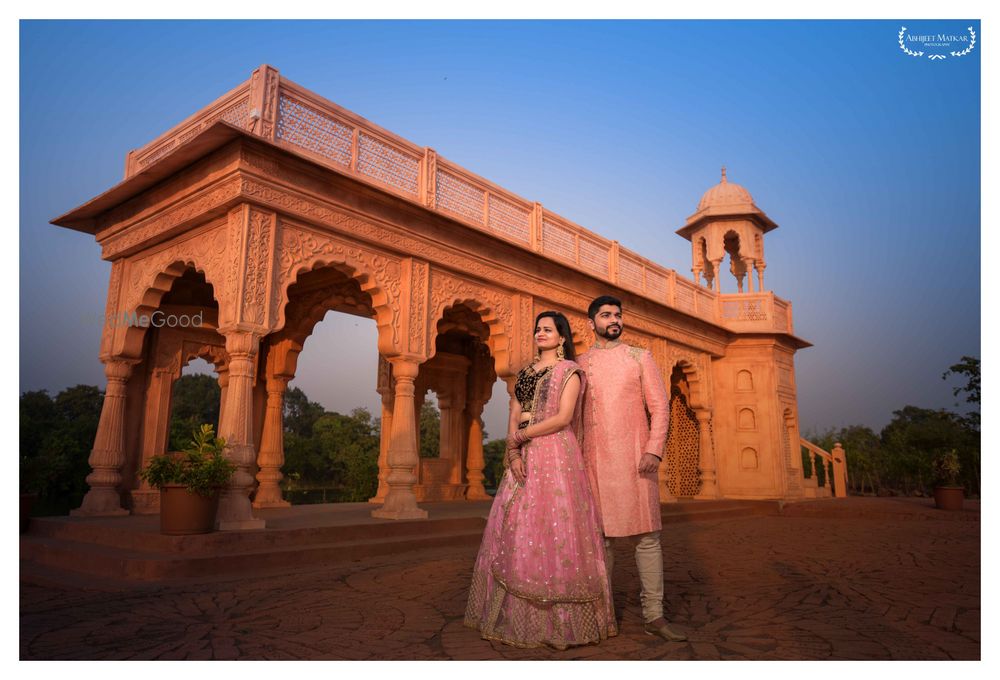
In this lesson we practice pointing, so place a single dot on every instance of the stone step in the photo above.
(143, 535)
(109, 562)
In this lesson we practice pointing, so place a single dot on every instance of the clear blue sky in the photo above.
(869, 160)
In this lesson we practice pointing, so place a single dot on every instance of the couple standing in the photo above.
(543, 572)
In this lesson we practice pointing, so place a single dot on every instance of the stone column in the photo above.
(474, 459)
(706, 456)
(749, 263)
(235, 511)
(272, 447)
(385, 436)
(839, 470)
(156, 434)
(108, 454)
(400, 501)
(223, 372)
(760, 266)
(717, 266)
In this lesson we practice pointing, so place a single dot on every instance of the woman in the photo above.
(540, 577)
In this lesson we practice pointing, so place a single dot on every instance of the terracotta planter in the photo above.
(183, 512)
(949, 497)
(27, 500)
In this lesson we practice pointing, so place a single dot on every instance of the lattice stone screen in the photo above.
(594, 257)
(510, 220)
(744, 310)
(780, 316)
(682, 449)
(657, 285)
(630, 272)
(388, 165)
(684, 296)
(558, 241)
(458, 196)
(313, 131)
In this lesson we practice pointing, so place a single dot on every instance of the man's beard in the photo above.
(610, 332)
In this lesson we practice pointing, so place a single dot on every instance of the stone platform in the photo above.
(131, 548)
(855, 578)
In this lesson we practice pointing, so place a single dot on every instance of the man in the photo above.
(622, 449)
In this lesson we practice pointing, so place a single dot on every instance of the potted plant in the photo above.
(189, 483)
(948, 493)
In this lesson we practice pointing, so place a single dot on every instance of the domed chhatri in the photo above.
(727, 222)
(727, 194)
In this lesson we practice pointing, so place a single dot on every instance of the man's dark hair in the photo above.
(596, 305)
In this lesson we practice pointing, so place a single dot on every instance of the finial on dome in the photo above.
(723, 174)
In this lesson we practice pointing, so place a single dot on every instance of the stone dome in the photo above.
(726, 194)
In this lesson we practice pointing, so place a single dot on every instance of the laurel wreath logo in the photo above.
(938, 57)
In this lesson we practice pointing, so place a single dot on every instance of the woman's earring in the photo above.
(560, 352)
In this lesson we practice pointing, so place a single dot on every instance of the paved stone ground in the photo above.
(903, 583)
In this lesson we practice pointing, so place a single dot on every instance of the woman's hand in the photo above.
(512, 442)
(517, 469)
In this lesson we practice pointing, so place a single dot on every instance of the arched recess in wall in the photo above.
(744, 381)
(749, 459)
(682, 448)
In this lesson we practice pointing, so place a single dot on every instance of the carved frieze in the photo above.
(419, 291)
(149, 229)
(340, 219)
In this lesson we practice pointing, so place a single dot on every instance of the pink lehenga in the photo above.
(540, 577)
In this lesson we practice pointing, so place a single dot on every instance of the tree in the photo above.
(56, 438)
(300, 413)
(968, 367)
(195, 401)
(493, 452)
(914, 439)
(430, 431)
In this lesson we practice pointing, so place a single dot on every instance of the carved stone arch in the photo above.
(693, 373)
(149, 278)
(493, 307)
(303, 313)
(377, 274)
(213, 354)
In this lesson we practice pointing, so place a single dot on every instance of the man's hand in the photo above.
(648, 463)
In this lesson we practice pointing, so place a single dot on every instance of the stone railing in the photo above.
(308, 125)
(834, 471)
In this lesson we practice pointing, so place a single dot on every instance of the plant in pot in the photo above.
(949, 494)
(190, 482)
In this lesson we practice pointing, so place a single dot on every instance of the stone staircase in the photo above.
(131, 549)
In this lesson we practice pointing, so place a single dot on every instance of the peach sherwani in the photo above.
(624, 385)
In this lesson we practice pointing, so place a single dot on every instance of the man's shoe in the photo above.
(664, 631)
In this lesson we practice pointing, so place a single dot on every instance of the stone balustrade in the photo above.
(304, 123)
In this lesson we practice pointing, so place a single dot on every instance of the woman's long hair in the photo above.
(563, 329)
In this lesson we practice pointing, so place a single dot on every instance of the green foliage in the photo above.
(201, 466)
(195, 399)
(969, 368)
(300, 413)
(336, 462)
(493, 451)
(56, 436)
(947, 469)
(430, 431)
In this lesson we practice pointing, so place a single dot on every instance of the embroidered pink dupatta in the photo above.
(540, 577)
